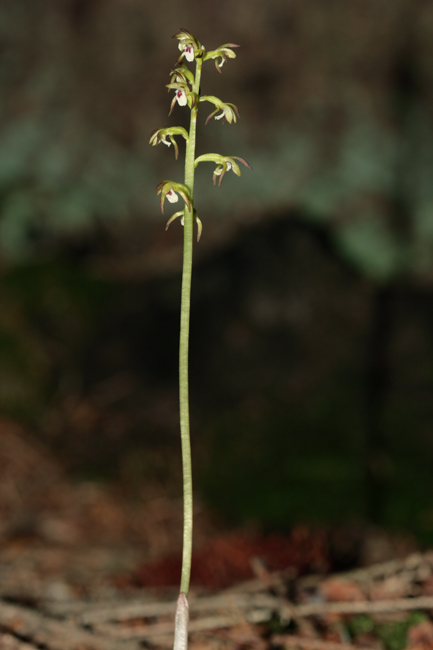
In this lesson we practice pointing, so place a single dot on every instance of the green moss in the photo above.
(392, 634)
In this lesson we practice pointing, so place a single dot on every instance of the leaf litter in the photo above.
(85, 563)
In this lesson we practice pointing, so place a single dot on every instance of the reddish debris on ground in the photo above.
(227, 560)
(340, 590)
(420, 637)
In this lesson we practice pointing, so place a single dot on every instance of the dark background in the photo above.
(312, 312)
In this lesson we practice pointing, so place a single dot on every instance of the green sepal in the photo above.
(175, 216)
(184, 73)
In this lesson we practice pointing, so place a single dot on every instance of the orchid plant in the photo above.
(186, 87)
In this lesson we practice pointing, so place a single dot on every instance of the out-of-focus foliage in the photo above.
(278, 365)
(335, 101)
(49, 315)
(66, 156)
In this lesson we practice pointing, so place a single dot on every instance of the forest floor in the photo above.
(84, 566)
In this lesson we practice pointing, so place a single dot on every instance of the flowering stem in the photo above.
(187, 91)
(184, 342)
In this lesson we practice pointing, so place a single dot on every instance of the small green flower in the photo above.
(227, 165)
(182, 74)
(221, 54)
(161, 135)
(224, 164)
(229, 111)
(189, 46)
(181, 214)
(170, 190)
(182, 95)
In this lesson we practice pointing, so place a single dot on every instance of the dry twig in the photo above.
(291, 641)
(51, 634)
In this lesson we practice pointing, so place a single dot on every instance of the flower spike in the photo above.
(186, 87)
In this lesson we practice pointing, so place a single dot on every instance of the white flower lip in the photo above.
(218, 170)
(172, 196)
(188, 49)
(181, 98)
(189, 53)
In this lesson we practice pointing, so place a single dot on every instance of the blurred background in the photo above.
(312, 314)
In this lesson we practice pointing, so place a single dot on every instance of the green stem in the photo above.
(184, 344)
